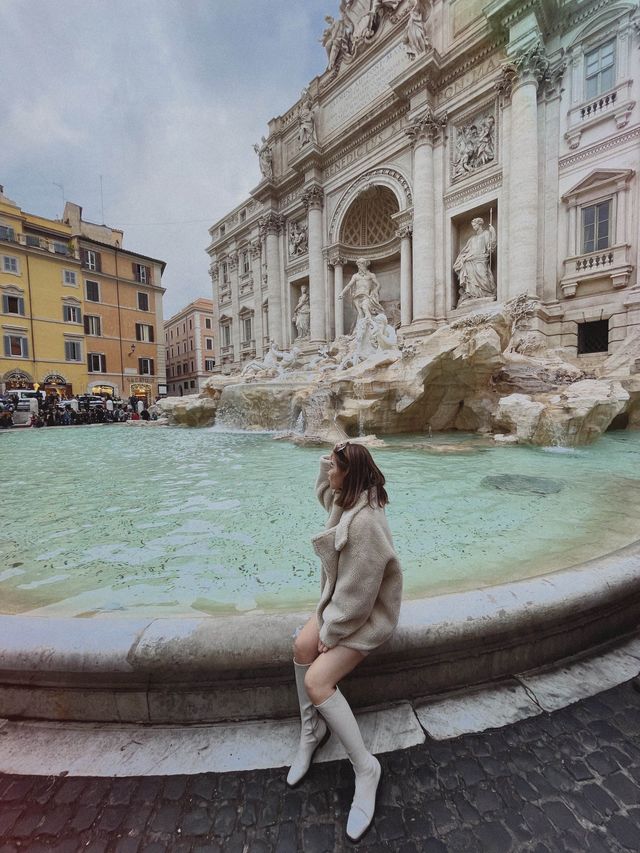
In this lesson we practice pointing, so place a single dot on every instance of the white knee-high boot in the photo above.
(314, 732)
(342, 723)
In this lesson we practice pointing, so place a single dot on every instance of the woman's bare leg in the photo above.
(305, 645)
(328, 669)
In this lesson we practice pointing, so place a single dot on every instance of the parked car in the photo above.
(24, 397)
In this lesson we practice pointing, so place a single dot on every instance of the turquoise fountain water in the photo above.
(170, 521)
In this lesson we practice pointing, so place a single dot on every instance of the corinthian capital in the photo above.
(531, 64)
(313, 197)
(271, 223)
(404, 231)
(255, 248)
(426, 127)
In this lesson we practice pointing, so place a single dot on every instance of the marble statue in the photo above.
(335, 40)
(475, 146)
(302, 313)
(274, 362)
(366, 291)
(473, 264)
(265, 157)
(377, 12)
(306, 121)
(298, 239)
(415, 36)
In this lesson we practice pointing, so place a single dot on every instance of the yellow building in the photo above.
(79, 314)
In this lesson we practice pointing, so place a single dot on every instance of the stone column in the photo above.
(530, 66)
(232, 261)
(406, 298)
(255, 250)
(271, 226)
(214, 269)
(423, 133)
(338, 284)
(313, 199)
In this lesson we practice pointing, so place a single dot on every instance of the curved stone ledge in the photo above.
(198, 669)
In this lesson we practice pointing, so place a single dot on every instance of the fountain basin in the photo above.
(188, 670)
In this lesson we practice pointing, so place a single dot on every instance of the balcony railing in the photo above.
(612, 263)
(248, 344)
(599, 105)
(615, 105)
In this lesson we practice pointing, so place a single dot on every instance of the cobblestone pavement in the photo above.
(568, 781)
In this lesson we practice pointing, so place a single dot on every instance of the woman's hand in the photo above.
(322, 648)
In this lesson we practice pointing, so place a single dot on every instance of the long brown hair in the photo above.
(361, 475)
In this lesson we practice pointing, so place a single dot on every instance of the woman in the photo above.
(359, 606)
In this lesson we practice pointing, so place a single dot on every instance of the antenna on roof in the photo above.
(61, 188)
(101, 200)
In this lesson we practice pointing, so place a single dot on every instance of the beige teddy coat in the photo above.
(361, 580)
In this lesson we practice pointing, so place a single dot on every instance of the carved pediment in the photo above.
(606, 180)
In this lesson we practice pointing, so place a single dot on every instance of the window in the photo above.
(208, 343)
(192, 367)
(145, 366)
(209, 364)
(10, 265)
(191, 344)
(185, 368)
(35, 242)
(192, 383)
(184, 329)
(245, 262)
(12, 305)
(226, 335)
(171, 334)
(246, 329)
(207, 323)
(179, 369)
(72, 351)
(144, 332)
(91, 260)
(143, 301)
(593, 337)
(7, 233)
(16, 346)
(225, 273)
(92, 326)
(191, 324)
(69, 277)
(596, 226)
(71, 314)
(96, 362)
(600, 65)
(60, 248)
(141, 273)
(92, 291)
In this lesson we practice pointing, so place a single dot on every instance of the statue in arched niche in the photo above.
(473, 264)
(366, 291)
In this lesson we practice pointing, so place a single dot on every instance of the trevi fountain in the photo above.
(440, 260)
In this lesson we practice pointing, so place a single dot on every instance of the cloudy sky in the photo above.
(163, 98)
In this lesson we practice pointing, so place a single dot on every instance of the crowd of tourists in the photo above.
(53, 410)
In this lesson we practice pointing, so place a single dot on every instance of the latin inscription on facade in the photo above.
(472, 76)
(364, 89)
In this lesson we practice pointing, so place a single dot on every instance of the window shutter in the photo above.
(103, 363)
(151, 367)
(151, 335)
(140, 366)
(79, 315)
(7, 345)
(98, 262)
(138, 332)
(25, 347)
(135, 272)
(84, 257)
(5, 304)
(148, 269)
(21, 306)
(89, 365)
(86, 325)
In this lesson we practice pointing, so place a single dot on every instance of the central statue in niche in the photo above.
(366, 292)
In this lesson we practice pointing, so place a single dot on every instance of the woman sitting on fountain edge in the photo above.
(361, 591)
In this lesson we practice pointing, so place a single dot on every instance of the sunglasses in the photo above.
(339, 448)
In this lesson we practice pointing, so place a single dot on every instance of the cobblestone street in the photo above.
(568, 781)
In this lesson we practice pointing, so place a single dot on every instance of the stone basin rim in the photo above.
(217, 668)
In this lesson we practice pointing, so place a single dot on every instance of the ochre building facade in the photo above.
(189, 346)
(470, 152)
(80, 314)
